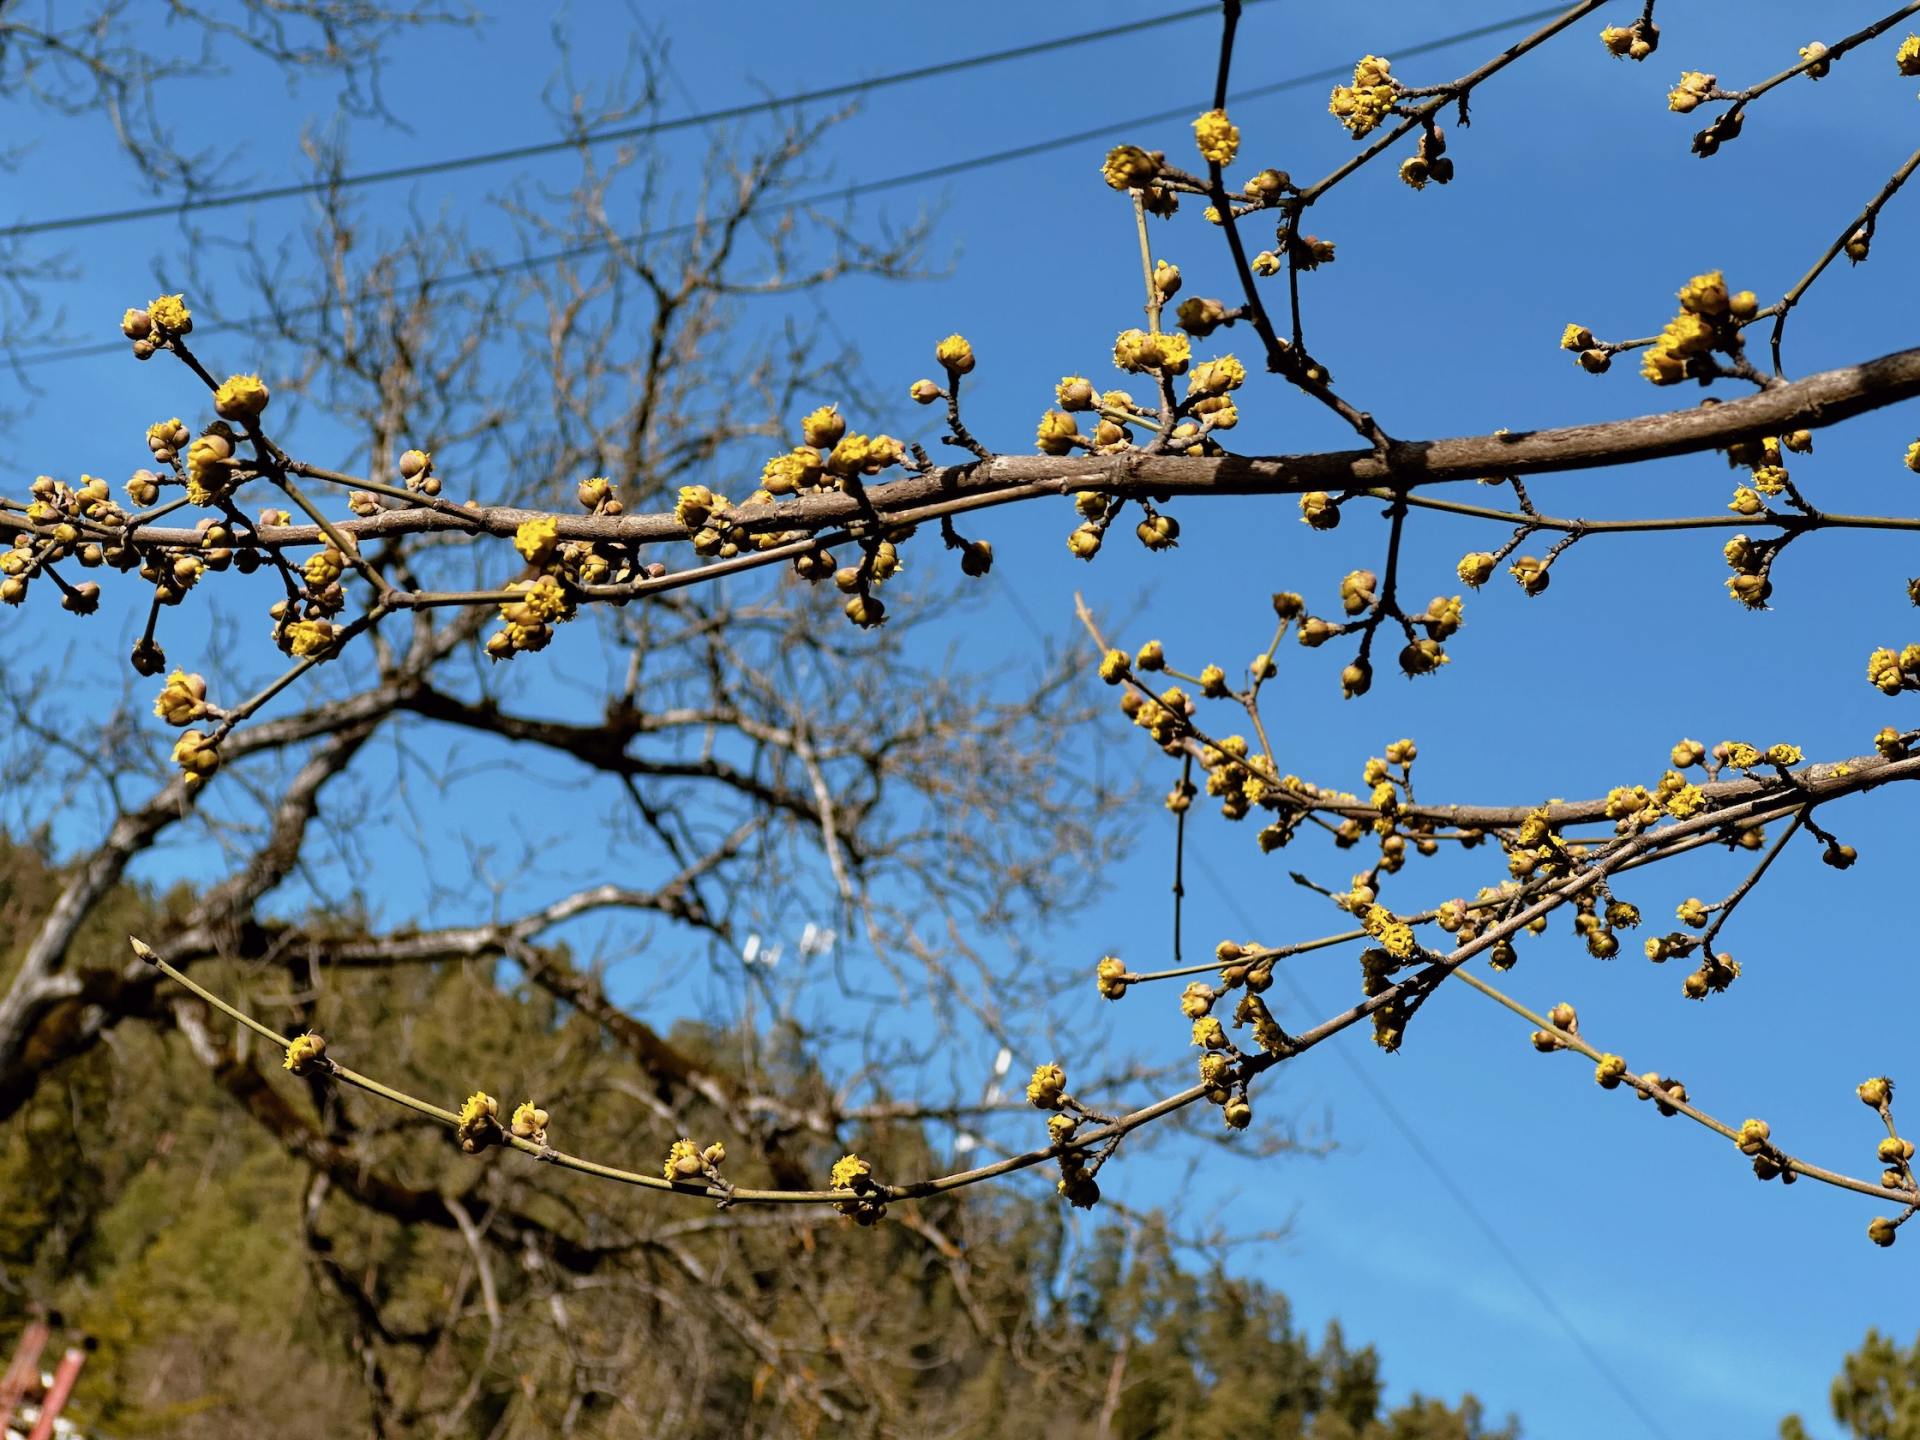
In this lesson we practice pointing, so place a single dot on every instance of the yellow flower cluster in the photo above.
(197, 758)
(1536, 849)
(538, 539)
(1362, 105)
(1214, 378)
(306, 638)
(1715, 974)
(1217, 137)
(1047, 1090)
(1395, 936)
(1128, 167)
(1597, 926)
(528, 619)
(479, 1123)
(1319, 510)
(1267, 1034)
(1624, 802)
(1076, 1184)
(832, 457)
(850, 1172)
(1429, 162)
(166, 439)
(1890, 671)
(304, 1053)
(1748, 584)
(416, 472)
(1662, 1090)
(551, 597)
(529, 1122)
(1197, 999)
(1138, 352)
(209, 467)
(1377, 967)
(1593, 357)
(1709, 319)
(1631, 42)
(57, 509)
(1692, 91)
(323, 567)
(688, 1161)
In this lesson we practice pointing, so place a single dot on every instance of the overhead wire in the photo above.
(841, 194)
(640, 130)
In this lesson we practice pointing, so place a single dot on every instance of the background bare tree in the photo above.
(716, 760)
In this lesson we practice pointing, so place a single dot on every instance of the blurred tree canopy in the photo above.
(1876, 1395)
(225, 1287)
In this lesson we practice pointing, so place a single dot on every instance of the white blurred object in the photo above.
(1001, 1063)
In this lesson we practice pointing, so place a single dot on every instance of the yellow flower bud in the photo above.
(304, 1053)
(1687, 96)
(1476, 568)
(823, 428)
(196, 757)
(683, 1161)
(1058, 433)
(182, 700)
(848, 1170)
(955, 354)
(1048, 1088)
(241, 398)
(170, 314)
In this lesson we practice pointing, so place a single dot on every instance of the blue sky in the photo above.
(1719, 1302)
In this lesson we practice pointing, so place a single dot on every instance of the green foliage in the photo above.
(1876, 1395)
(231, 1286)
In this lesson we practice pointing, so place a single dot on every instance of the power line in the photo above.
(1454, 1188)
(844, 193)
(223, 199)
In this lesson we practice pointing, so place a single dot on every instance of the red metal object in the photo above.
(23, 1370)
(65, 1376)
